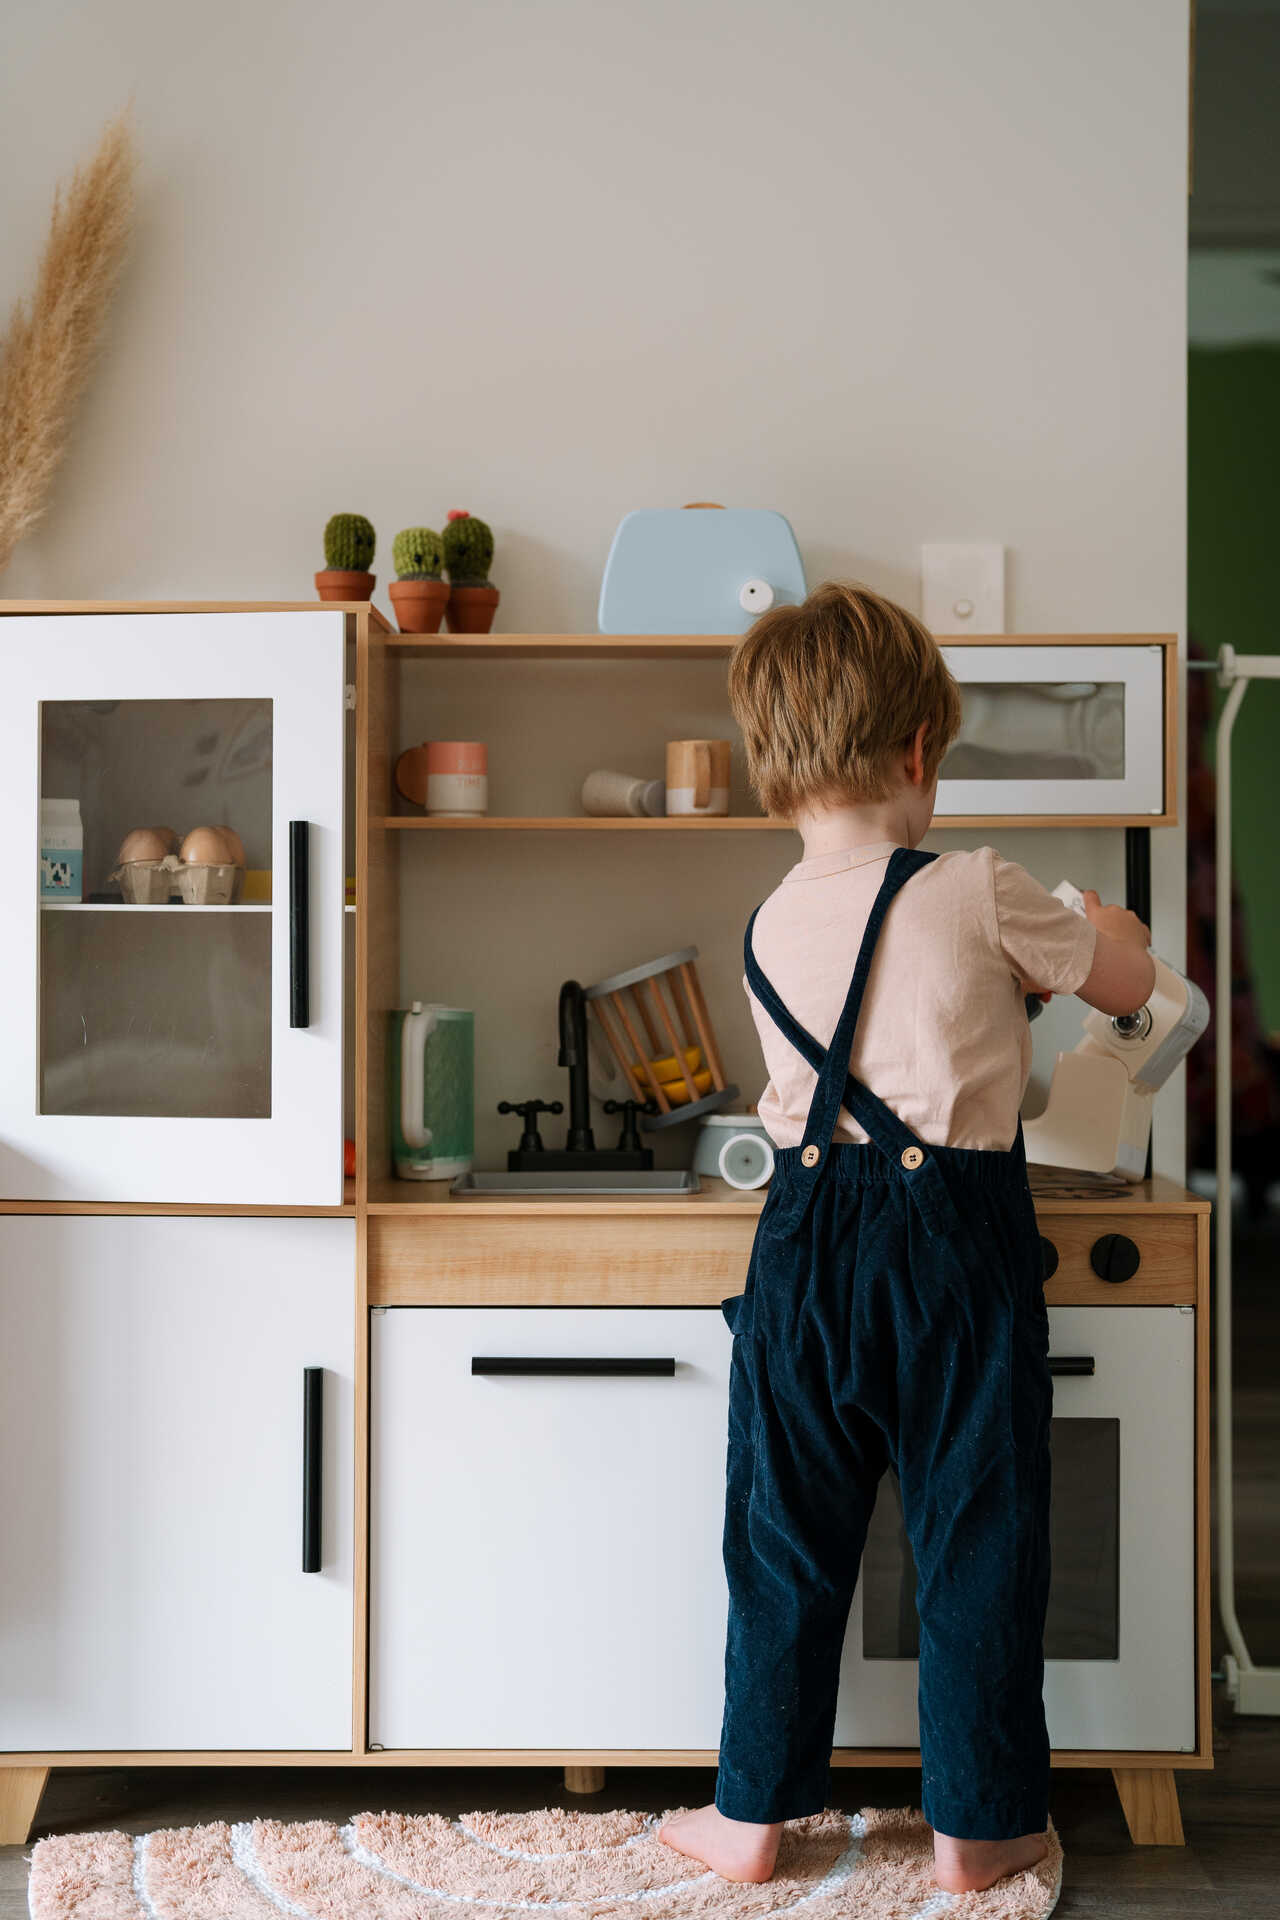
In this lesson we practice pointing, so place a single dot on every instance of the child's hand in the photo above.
(1117, 921)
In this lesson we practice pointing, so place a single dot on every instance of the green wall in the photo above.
(1233, 595)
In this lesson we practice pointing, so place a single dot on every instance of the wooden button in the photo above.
(911, 1156)
(811, 1156)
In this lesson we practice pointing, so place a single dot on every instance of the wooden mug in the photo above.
(698, 776)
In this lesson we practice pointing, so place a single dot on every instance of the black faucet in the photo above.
(579, 1153)
(573, 1054)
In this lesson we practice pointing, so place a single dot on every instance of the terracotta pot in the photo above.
(471, 609)
(419, 604)
(337, 583)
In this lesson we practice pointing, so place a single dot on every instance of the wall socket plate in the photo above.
(963, 587)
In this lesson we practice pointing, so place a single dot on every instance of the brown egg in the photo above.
(205, 847)
(171, 839)
(146, 843)
(235, 843)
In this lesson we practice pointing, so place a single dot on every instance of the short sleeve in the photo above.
(1044, 942)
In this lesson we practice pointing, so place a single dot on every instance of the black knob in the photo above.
(1049, 1254)
(1115, 1257)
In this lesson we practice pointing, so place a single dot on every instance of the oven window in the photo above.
(1039, 730)
(1084, 1592)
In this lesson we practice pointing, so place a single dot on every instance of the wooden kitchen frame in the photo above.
(415, 1247)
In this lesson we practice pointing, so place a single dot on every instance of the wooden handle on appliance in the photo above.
(702, 773)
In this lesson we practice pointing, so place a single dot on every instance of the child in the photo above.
(894, 1311)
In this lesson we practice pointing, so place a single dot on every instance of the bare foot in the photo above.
(735, 1849)
(970, 1866)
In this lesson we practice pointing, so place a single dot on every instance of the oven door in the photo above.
(1120, 1633)
(1056, 732)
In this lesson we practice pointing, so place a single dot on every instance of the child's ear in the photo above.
(915, 755)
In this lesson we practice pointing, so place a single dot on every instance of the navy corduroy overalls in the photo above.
(894, 1315)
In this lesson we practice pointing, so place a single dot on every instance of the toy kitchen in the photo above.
(527, 1018)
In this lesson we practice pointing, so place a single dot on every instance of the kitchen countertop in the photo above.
(1055, 1192)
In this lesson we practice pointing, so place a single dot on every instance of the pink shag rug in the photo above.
(876, 1865)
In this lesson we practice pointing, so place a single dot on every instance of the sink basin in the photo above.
(657, 1182)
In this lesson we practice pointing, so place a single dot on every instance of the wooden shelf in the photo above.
(561, 646)
(577, 823)
(1055, 1194)
(736, 822)
(688, 646)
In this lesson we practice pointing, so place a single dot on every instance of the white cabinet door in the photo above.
(152, 1050)
(1056, 730)
(545, 1549)
(152, 1483)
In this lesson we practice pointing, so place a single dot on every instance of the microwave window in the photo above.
(1083, 1620)
(1030, 730)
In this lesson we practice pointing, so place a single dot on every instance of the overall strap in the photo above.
(836, 1085)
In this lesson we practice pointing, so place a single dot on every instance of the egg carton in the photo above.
(146, 883)
(152, 883)
(210, 885)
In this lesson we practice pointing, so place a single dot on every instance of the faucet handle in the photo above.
(629, 1139)
(530, 1139)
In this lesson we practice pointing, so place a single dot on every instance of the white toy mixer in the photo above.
(1098, 1115)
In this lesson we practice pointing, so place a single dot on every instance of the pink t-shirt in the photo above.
(943, 1036)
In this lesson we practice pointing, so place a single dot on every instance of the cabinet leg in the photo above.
(584, 1779)
(20, 1790)
(1149, 1796)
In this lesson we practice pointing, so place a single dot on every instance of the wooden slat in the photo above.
(378, 891)
(702, 1019)
(677, 1051)
(1170, 817)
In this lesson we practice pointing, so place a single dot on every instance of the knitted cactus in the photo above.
(418, 554)
(348, 543)
(468, 549)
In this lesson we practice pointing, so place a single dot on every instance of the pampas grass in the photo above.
(51, 344)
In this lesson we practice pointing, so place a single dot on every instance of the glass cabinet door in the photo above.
(177, 780)
(1050, 730)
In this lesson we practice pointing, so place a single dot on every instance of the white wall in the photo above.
(905, 273)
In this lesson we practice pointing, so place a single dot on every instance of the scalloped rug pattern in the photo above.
(876, 1864)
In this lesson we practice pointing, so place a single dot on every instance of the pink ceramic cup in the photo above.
(457, 776)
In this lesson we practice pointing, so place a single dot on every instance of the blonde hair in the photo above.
(828, 694)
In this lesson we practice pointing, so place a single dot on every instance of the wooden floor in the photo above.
(1229, 1869)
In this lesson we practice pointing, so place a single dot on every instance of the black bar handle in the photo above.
(299, 924)
(538, 1363)
(312, 1465)
(1071, 1363)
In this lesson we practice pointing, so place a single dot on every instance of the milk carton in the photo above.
(61, 850)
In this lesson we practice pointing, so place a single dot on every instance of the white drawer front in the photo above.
(545, 1551)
